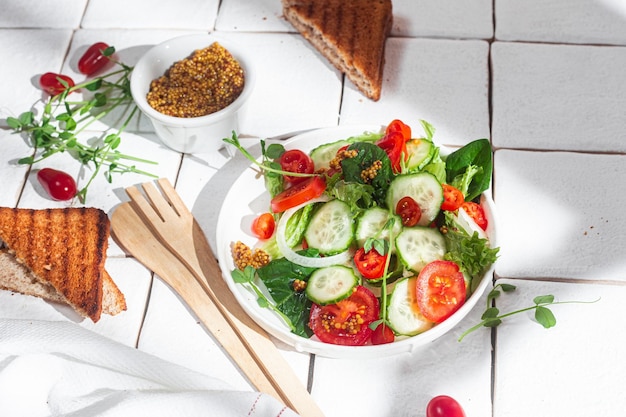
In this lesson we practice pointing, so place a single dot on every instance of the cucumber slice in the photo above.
(424, 188)
(418, 246)
(331, 284)
(403, 314)
(331, 229)
(420, 153)
(323, 154)
(371, 224)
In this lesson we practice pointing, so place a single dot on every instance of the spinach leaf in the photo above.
(278, 276)
(368, 153)
(477, 154)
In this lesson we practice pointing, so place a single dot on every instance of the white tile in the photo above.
(566, 21)
(554, 218)
(443, 19)
(257, 16)
(575, 368)
(401, 385)
(137, 14)
(13, 174)
(559, 97)
(37, 14)
(296, 88)
(444, 82)
(32, 52)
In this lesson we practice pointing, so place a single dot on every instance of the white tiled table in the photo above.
(544, 80)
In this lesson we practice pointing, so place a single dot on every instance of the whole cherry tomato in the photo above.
(49, 82)
(444, 406)
(409, 211)
(295, 160)
(263, 226)
(93, 60)
(59, 185)
(382, 335)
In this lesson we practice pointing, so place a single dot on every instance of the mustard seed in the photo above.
(203, 83)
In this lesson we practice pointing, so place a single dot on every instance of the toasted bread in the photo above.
(350, 34)
(59, 255)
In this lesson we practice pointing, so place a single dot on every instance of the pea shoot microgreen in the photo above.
(543, 315)
(62, 119)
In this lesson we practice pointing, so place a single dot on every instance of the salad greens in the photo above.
(468, 168)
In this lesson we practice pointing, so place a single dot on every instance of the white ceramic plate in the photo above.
(248, 198)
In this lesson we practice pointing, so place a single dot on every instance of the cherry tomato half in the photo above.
(440, 290)
(49, 82)
(409, 211)
(93, 60)
(299, 193)
(476, 212)
(297, 161)
(263, 226)
(452, 198)
(399, 126)
(59, 185)
(370, 264)
(444, 406)
(394, 145)
(382, 334)
(347, 322)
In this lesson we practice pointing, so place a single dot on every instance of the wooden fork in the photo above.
(177, 229)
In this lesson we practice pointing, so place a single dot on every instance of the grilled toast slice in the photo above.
(63, 251)
(350, 34)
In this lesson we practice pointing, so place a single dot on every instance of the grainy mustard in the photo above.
(203, 83)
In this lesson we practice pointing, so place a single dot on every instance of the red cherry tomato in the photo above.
(263, 226)
(399, 126)
(382, 335)
(476, 212)
(299, 193)
(59, 185)
(49, 82)
(409, 211)
(452, 198)
(297, 161)
(347, 322)
(394, 145)
(444, 406)
(370, 264)
(93, 60)
(440, 290)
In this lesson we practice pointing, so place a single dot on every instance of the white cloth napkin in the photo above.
(60, 369)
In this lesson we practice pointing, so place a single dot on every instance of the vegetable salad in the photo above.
(370, 238)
